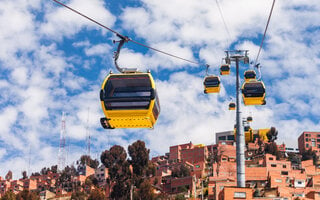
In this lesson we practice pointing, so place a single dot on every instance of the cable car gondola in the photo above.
(232, 106)
(129, 100)
(248, 134)
(225, 69)
(253, 93)
(249, 75)
(211, 84)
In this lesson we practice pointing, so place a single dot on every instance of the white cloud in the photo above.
(100, 49)
(2, 153)
(62, 22)
(17, 29)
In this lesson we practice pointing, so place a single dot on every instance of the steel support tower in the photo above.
(237, 56)
(62, 145)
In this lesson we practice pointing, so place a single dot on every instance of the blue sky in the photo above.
(52, 60)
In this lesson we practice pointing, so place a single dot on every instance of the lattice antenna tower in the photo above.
(88, 136)
(62, 150)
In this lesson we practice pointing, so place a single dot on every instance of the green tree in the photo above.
(139, 157)
(119, 171)
(65, 178)
(9, 175)
(180, 197)
(44, 171)
(9, 196)
(145, 191)
(97, 194)
(310, 155)
(78, 195)
(181, 171)
(115, 156)
(87, 160)
(27, 195)
(294, 158)
(151, 169)
(272, 148)
(121, 190)
(24, 175)
(54, 169)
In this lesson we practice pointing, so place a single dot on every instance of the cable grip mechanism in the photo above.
(123, 39)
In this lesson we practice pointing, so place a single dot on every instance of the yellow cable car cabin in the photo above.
(249, 75)
(253, 93)
(248, 134)
(225, 69)
(211, 84)
(129, 100)
(232, 106)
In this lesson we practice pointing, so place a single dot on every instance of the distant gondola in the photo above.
(225, 69)
(232, 106)
(249, 75)
(211, 84)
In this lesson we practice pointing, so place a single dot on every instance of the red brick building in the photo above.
(236, 193)
(309, 140)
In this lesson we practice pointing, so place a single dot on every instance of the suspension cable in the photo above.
(224, 22)
(128, 39)
(265, 31)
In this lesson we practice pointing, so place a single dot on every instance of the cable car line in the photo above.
(224, 22)
(264, 35)
(127, 38)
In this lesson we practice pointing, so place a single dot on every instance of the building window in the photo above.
(307, 145)
(271, 158)
(313, 143)
(307, 139)
(278, 181)
(284, 173)
(239, 195)
(299, 182)
(284, 166)
(222, 138)
(273, 165)
(230, 137)
(318, 135)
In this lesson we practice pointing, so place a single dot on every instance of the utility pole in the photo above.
(195, 186)
(62, 150)
(201, 189)
(237, 56)
(131, 192)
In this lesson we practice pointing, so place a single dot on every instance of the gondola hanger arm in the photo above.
(123, 39)
(207, 68)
